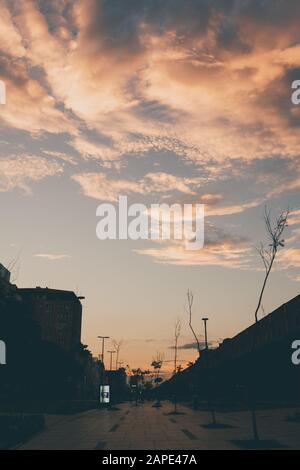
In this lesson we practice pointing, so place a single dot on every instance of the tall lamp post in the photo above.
(205, 328)
(102, 378)
(111, 356)
(103, 341)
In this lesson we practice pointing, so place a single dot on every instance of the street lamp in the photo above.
(111, 356)
(205, 327)
(103, 341)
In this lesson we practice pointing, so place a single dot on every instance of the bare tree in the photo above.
(117, 346)
(189, 310)
(177, 332)
(274, 231)
(14, 268)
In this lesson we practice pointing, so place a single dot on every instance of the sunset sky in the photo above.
(185, 101)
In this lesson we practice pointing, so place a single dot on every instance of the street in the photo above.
(148, 428)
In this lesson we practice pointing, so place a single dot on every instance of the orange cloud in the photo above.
(228, 253)
(19, 171)
(207, 82)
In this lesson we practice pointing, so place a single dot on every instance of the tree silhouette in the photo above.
(275, 230)
(177, 332)
(189, 310)
(117, 345)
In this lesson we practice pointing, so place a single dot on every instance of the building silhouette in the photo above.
(43, 327)
(256, 362)
(58, 314)
(4, 274)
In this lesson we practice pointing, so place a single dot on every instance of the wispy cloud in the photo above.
(107, 84)
(182, 85)
(51, 256)
(100, 186)
(19, 171)
(220, 249)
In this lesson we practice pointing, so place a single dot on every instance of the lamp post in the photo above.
(205, 328)
(103, 341)
(111, 356)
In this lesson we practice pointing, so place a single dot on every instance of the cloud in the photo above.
(290, 259)
(51, 257)
(10, 38)
(232, 209)
(91, 149)
(295, 278)
(100, 186)
(194, 345)
(161, 182)
(220, 249)
(209, 77)
(294, 217)
(206, 82)
(61, 156)
(19, 171)
(29, 105)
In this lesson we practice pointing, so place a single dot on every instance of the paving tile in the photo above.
(148, 429)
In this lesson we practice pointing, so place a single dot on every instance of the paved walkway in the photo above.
(148, 428)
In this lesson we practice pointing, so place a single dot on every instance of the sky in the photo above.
(162, 101)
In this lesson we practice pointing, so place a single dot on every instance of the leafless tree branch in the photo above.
(177, 332)
(189, 310)
(275, 230)
(117, 346)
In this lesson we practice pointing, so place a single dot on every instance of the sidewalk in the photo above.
(148, 428)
